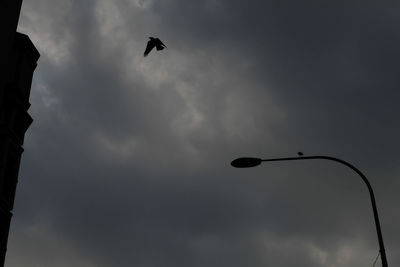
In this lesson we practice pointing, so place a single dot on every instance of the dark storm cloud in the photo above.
(127, 162)
(332, 65)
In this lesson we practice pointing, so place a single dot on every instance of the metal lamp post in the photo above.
(252, 162)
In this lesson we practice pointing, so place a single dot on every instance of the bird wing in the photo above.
(159, 47)
(162, 43)
(150, 45)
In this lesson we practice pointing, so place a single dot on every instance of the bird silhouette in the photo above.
(300, 153)
(154, 42)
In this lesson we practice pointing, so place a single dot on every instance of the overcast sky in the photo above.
(127, 162)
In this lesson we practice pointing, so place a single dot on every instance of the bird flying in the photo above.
(154, 42)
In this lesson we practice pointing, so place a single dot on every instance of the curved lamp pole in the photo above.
(252, 162)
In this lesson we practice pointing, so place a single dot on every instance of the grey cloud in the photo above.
(127, 162)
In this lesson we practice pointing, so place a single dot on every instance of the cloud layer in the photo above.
(127, 161)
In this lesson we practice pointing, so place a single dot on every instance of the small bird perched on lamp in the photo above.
(154, 42)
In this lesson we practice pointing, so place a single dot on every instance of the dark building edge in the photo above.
(16, 79)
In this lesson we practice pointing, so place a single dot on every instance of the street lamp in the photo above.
(252, 162)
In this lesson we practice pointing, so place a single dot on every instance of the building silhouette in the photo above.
(18, 61)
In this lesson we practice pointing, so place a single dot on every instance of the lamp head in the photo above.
(246, 162)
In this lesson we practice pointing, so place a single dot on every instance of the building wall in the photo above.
(9, 15)
(18, 61)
